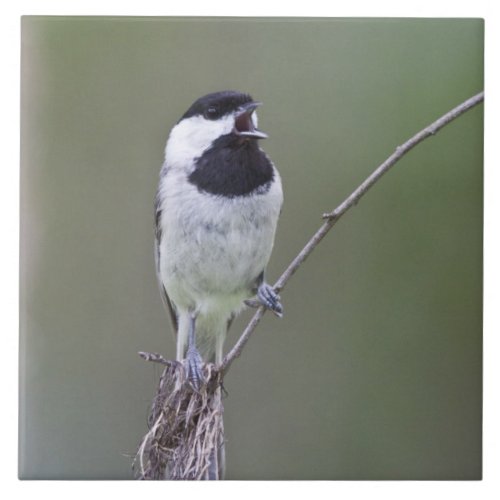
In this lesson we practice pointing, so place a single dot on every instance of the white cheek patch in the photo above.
(192, 136)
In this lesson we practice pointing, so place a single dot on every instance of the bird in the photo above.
(216, 212)
(217, 207)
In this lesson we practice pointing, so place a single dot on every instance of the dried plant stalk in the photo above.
(186, 431)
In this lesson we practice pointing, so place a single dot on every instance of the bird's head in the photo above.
(228, 114)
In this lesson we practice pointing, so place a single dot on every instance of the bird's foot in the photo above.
(195, 368)
(269, 299)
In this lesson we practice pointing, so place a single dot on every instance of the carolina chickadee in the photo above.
(217, 207)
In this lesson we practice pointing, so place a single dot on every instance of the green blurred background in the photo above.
(375, 370)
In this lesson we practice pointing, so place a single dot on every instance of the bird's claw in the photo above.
(270, 299)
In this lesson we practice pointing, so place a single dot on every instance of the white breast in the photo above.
(213, 248)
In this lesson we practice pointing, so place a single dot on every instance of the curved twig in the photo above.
(332, 217)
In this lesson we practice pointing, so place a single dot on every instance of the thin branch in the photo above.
(156, 358)
(332, 217)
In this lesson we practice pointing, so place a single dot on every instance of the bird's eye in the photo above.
(211, 113)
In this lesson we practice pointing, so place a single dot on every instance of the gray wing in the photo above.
(158, 235)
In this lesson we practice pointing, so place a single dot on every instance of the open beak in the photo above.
(243, 123)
